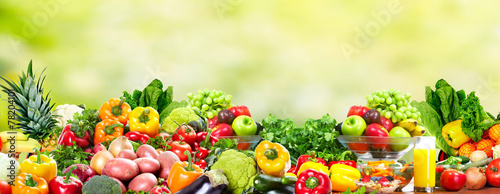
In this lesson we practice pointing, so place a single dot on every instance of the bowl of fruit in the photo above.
(374, 147)
(385, 176)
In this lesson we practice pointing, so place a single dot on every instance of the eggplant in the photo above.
(212, 182)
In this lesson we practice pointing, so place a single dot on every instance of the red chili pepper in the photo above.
(159, 190)
(67, 137)
(311, 181)
(178, 148)
(306, 158)
(343, 161)
(66, 184)
(136, 136)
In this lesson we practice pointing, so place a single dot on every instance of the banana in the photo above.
(8, 135)
(408, 124)
(20, 146)
(419, 131)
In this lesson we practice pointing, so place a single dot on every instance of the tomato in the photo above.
(159, 190)
(452, 180)
(493, 173)
(5, 188)
(178, 148)
(439, 169)
(187, 133)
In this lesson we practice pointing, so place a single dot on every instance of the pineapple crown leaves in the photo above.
(34, 114)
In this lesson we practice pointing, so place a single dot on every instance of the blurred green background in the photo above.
(295, 59)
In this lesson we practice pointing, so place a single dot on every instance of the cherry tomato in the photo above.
(159, 190)
(493, 173)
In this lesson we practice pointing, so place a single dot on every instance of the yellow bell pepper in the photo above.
(30, 184)
(41, 166)
(145, 120)
(272, 158)
(343, 177)
(313, 165)
(453, 134)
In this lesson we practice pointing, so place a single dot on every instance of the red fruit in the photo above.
(377, 130)
(453, 180)
(366, 179)
(384, 182)
(222, 130)
(357, 110)
(386, 123)
(214, 121)
(439, 169)
(240, 110)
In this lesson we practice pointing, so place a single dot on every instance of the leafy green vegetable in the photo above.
(174, 105)
(452, 160)
(66, 156)
(433, 123)
(85, 121)
(475, 121)
(445, 100)
(361, 190)
(153, 96)
(158, 143)
(314, 135)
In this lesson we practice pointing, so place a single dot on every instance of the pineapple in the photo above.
(34, 113)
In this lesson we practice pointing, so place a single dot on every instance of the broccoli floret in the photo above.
(239, 169)
(181, 116)
(101, 184)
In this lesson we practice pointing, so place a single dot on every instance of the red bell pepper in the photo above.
(311, 157)
(66, 184)
(343, 161)
(159, 190)
(222, 130)
(178, 148)
(311, 181)
(67, 137)
(292, 169)
(136, 136)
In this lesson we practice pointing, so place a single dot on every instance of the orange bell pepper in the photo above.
(115, 108)
(107, 129)
(183, 174)
(30, 184)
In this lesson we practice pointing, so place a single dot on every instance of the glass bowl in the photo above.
(381, 148)
(402, 174)
(245, 142)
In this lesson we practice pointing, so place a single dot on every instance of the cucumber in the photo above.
(464, 159)
(264, 182)
(288, 180)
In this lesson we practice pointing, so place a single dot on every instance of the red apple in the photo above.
(386, 123)
(377, 130)
(240, 110)
(357, 110)
(453, 180)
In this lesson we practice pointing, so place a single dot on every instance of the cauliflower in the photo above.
(180, 115)
(10, 168)
(65, 112)
(239, 169)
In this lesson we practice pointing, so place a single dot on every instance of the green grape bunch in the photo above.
(209, 103)
(393, 105)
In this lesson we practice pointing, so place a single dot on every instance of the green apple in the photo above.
(399, 132)
(244, 125)
(353, 125)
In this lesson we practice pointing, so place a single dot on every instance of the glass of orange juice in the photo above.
(424, 156)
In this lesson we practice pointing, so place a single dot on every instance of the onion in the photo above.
(99, 159)
(119, 144)
(476, 179)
